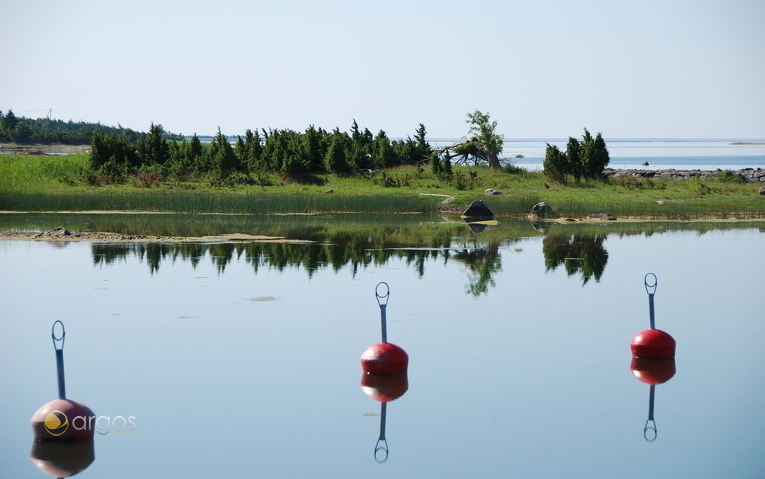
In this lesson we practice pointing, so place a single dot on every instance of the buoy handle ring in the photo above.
(382, 296)
(650, 425)
(57, 339)
(651, 287)
(382, 445)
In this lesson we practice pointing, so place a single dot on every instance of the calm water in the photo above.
(243, 359)
(659, 154)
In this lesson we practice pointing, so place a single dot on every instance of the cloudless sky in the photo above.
(542, 69)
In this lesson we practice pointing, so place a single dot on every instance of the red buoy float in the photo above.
(653, 358)
(62, 419)
(652, 343)
(384, 357)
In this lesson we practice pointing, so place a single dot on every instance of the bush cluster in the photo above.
(585, 159)
(46, 131)
(288, 153)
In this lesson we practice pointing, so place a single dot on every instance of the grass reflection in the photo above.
(357, 241)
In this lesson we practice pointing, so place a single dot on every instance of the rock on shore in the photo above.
(747, 175)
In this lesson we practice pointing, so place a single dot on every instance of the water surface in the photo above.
(243, 359)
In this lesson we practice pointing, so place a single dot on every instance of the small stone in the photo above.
(602, 216)
(660, 202)
(762, 191)
(60, 231)
(492, 191)
(329, 191)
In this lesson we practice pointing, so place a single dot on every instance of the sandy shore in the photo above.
(63, 235)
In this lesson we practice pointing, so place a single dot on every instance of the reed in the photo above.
(50, 183)
(39, 172)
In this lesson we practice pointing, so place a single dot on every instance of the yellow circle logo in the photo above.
(56, 423)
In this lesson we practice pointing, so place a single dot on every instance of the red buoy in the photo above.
(384, 387)
(653, 343)
(63, 419)
(653, 371)
(384, 358)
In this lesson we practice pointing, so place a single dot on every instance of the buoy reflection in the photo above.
(652, 372)
(62, 458)
(383, 388)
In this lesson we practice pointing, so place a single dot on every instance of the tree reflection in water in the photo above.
(482, 261)
(482, 258)
(579, 253)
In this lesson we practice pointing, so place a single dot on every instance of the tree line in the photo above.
(46, 131)
(288, 153)
(585, 159)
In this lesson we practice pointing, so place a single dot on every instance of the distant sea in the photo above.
(660, 154)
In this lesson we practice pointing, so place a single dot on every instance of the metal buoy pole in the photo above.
(58, 345)
(383, 305)
(651, 290)
(650, 424)
(382, 443)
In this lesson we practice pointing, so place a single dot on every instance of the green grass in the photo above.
(50, 183)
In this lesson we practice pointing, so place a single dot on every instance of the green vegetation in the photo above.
(46, 131)
(582, 159)
(293, 156)
(483, 144)
(51, 183)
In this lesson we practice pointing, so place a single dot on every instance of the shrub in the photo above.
(729, 177)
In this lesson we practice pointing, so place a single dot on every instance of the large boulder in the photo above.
(542, 209)
(478, 209)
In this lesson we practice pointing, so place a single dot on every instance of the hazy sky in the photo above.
(542, 69)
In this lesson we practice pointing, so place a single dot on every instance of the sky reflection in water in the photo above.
(244, 359)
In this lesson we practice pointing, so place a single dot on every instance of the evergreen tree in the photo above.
(435, 164)
(600, 156)
(423, 147)
(335, 159)
(197, 157)
(313, 149)
(383, 152)
(360, 149)
(587, 154)
(574, 166)
(111, 155)
(153, 148)
(222, 156)
(241, 150)
(555, 164)
(9, 123)
(446, 169)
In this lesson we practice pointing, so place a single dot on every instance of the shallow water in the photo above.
(244, 359)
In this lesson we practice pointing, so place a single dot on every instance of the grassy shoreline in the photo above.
(50, 183)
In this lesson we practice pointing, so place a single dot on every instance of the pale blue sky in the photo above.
(542, 69)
